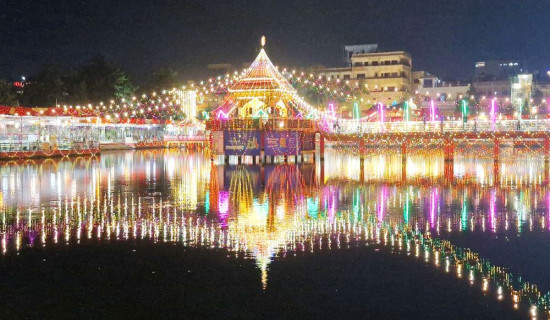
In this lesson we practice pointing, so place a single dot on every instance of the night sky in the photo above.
(444, 37)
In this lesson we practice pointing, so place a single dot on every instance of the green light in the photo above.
(464, 110)
(406, 115)
(520, 109)
(464, 213)
(406, 209)
(356, 110)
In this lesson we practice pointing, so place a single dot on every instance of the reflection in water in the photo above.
(269, 211)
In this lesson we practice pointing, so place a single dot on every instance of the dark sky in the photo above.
(444, 37)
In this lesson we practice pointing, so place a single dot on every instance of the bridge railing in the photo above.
(357, 127)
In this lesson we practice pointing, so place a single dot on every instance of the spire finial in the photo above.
(262, 41)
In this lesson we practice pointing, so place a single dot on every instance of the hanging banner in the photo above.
(281, 143)
(217, 142)
(240, 143)
(308, 142)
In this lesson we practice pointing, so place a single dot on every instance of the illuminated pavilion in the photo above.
(263, 92)
(262, 115)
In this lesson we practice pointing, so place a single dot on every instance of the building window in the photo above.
(360, 76)
(376, 74)
(366, 64)
(358, 64)
(394, 62)
(375, 63)
(391, 89)
(428, 83)
(346, 77)
(394, 74)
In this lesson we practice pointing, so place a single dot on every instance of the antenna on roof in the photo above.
(262, 41)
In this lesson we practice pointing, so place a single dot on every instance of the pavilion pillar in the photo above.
(262, 176)
(226, 159)
(286, 158)
(239, 159)
(211, 150)
(546, 149)
(546, 173)
(253, 159)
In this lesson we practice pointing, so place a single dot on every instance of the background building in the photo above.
(491, 70)
(428, 88)
(351, 50)
(387, 75)
(521, 91)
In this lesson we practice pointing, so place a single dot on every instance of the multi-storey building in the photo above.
(387, 75)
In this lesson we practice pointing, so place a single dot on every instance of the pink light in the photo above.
(223, 207)
(381, 205)
(331, 109)
(222, 115)
(493, 210)
(493, 111)
(381, 112)
(432, 110)
(433, 204)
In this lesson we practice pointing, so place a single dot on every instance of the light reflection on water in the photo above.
(269, 211)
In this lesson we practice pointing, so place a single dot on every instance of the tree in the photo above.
(123, 86)
(44, 89)
(163, 79)
(8, 96)
(97, 81)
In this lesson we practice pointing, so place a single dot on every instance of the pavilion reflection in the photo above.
(266, 212)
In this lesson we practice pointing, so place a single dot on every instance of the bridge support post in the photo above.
(226, 159)
(361, 168)
(404, 159)
(448, 149)
(496, 150)
(239, 159)
(322, 173)
(254, 159)
(449, 171)
(322, 147)
(546, 159)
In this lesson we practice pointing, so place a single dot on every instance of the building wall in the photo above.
(386, 74)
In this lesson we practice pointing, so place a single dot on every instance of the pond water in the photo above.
(487, 227)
